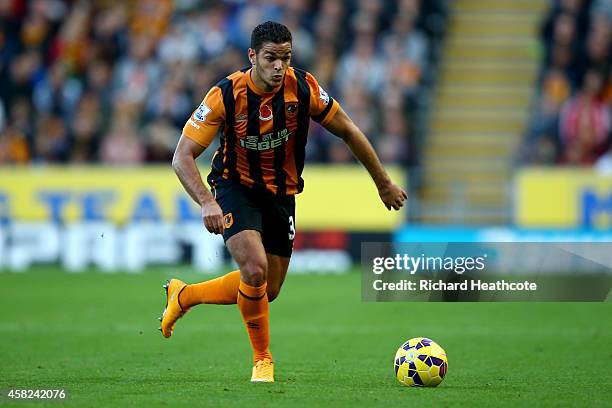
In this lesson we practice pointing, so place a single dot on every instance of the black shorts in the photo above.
(247, 209)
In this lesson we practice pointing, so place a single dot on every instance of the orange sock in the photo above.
(219, 291)
(253, 305)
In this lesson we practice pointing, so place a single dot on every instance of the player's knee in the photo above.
(254, 272)
(273, 292)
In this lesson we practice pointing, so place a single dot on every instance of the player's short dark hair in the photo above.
(269, 31)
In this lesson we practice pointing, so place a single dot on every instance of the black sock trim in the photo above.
(250, 297)
(178, 298)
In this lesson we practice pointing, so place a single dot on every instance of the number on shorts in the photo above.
(291, 228)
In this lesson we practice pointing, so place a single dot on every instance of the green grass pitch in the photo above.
(96, 336)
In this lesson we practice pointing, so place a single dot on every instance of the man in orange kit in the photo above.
(263, 112)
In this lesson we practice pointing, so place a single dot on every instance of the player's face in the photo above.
(271, 63)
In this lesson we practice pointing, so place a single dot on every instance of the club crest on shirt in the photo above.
(228, 220)
(265, 112)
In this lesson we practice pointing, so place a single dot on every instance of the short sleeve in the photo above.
(204, 122)
(322, 106)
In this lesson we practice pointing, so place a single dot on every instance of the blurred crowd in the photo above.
(572, 119)
(107, 81)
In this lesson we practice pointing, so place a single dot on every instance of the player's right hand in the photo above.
(212, 215)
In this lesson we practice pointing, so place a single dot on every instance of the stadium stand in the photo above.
(113, 82)
(571, 122)
(479, 110)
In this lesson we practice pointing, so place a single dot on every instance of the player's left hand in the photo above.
(392, 195)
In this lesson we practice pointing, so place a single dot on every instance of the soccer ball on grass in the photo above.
(420, 362)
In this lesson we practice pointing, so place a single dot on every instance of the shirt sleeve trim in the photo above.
(328, 113)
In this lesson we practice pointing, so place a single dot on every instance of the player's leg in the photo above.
(247, 250)
(218, 291)
(180, 297)
(278, 223)
(224, 289)
(241, 213)
(277, 271)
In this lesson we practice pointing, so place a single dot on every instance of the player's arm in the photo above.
(184, 165)
(198, 133)
(343, 127)
(328, 113)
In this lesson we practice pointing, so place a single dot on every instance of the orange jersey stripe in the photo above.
(266, 127)
(240, 98)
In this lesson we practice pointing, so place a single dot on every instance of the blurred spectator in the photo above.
(393, 144)
(577, 10)
(363, 66)
(137, 73)
(51, 143)
(597, 50)
(13, 147)
(20, 116)
(178, 46)
(170, 99)
(161, 138)
(329, 23)
(97, 80)
(151, 17)
(23, 71)
(325, 65)
(202, 78)
(86, 129)
(109, 32)
(303, 42)
(405, 49)
(585, 123)
(121, 145)
(72, 45)
(543, 143)
(55, 93)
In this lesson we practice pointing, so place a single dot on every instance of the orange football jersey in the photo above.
(263, 134)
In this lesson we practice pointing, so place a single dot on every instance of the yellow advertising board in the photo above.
(345, 197)
(563, 198)
(338, 197)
